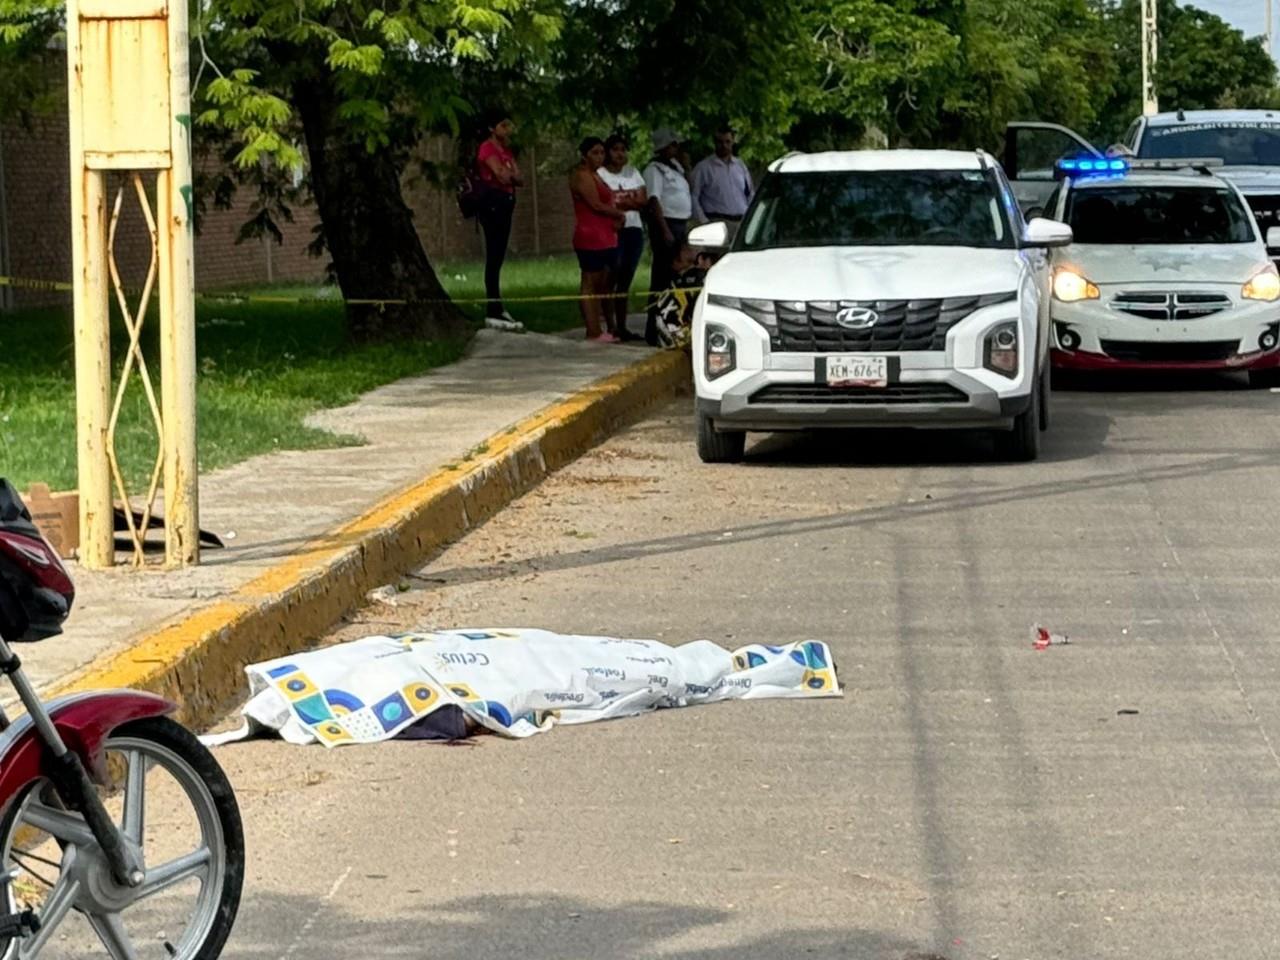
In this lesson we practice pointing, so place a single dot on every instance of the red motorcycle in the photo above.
(118, 829)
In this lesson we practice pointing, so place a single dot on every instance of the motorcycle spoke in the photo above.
(52, 912)
(22, 856)
(175, 871)
(135, 796)
(20, 859)
(111, 931)
(67, 827)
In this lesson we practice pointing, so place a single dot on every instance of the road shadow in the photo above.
(534, 927)
(1073, 435)
(1152, 382)
(967, 498)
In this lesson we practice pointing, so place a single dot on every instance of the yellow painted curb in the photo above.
(198, 660)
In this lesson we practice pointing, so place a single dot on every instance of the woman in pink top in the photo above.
(497, 168)
(596, 221)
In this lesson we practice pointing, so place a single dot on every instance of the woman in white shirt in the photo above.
(629, 194)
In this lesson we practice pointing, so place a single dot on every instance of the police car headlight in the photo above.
(1069, 286)
(1263, 285)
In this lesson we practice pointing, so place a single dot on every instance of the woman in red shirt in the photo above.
(596, 221)
(497, 168)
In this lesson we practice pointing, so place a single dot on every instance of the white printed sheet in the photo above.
(513, 682)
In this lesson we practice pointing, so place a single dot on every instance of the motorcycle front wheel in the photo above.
(175, 806)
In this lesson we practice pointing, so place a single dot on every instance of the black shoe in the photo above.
(651, 331)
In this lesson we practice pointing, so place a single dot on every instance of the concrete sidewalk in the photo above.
(270, 507)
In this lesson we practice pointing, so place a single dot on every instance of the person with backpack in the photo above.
(497, 175)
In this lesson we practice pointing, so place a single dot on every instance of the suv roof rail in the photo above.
(784, 158)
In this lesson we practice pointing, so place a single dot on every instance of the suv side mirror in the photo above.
(1047, 233)
(1273, 238)
(710, 235)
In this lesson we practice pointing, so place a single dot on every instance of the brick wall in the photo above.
(37, 217)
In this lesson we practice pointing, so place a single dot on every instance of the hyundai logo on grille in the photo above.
(857, 318)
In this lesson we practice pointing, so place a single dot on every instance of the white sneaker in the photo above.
(504, 323)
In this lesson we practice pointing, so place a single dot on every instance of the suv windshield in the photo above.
(877, 208)
(1238, 143)
(1138, 214)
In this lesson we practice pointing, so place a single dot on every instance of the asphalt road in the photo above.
(968, 798)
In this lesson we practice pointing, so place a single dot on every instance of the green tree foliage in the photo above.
(687, 64)
(1034, 59)
(345, 90)
(876, 67)
(359, 83)
(1203, 63)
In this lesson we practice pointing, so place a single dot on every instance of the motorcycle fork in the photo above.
(66, 770)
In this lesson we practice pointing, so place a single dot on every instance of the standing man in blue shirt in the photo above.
(722, 187)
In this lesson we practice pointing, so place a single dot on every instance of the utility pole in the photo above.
(1150, 47)
(1271, 45)
(130, 119)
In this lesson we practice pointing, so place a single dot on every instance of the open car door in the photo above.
(1031, 149)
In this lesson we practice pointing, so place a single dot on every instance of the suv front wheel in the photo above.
(717, 446)
(1022, 443)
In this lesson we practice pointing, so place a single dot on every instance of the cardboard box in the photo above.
(58, 517)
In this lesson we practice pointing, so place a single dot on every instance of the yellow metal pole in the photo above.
(92, 324)
(178, 312)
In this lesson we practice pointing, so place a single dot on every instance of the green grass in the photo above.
(524, 282)
(544, 277)
(263, 368)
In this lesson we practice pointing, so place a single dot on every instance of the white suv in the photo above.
(877, 288)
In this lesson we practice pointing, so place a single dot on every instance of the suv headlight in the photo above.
(763, 312)
(1070, 287)
(1000, 353)
(1263, 285)
(721, 352)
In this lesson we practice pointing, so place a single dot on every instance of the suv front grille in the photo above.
(1170, 305)
(1169, 352)
(894, 325)
(820, 393)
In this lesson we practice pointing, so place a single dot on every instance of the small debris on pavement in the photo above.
(385, 595)
(1042, 639)
(1126, 713)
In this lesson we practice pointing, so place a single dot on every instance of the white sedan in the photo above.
(1167, 271)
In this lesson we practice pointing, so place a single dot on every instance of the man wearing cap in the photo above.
(670, 206)
(722, 186)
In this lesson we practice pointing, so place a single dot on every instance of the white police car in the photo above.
(876, 288)
(1167, 271)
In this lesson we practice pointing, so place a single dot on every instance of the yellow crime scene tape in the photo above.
(27, 283)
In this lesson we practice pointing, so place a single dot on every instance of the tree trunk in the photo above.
(369, 232)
